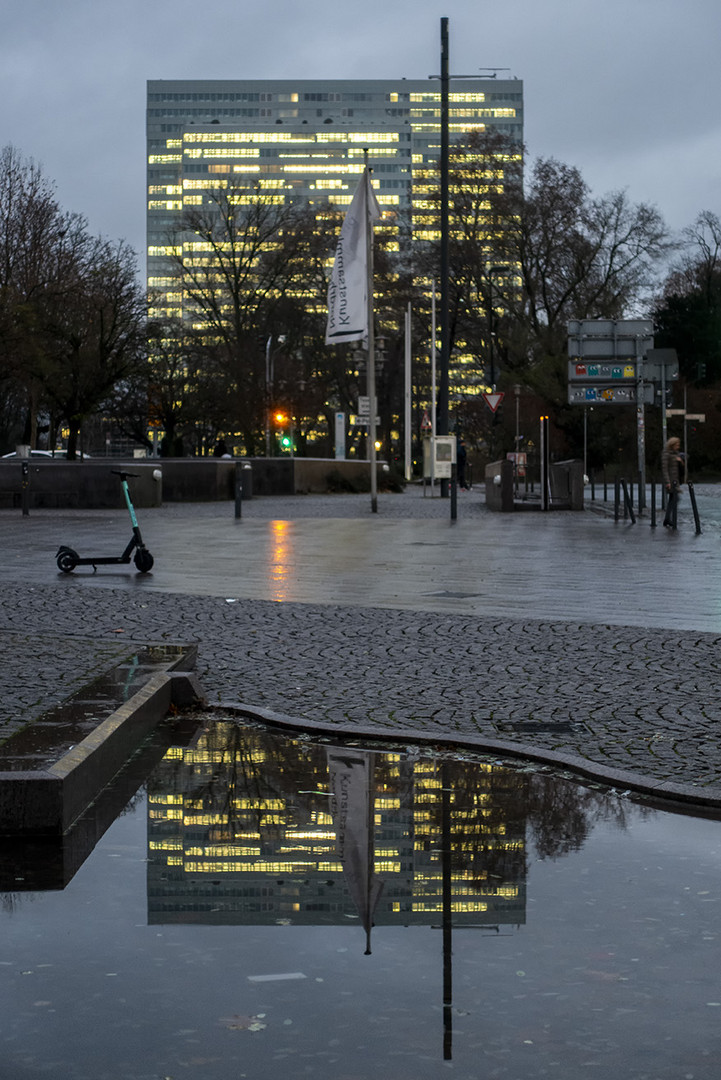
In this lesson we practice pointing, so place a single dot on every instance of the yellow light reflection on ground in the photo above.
(280, 559)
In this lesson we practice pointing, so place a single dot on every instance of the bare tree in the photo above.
(95, 338)
(688, 311)
(71, 310)
(239, 258)
(580, 257)
(37, 245)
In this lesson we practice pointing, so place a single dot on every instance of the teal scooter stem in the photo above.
(68, 559)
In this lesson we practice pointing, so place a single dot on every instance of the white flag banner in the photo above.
(348, 289)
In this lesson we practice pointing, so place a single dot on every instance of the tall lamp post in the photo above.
(492, 271)
(269, 379)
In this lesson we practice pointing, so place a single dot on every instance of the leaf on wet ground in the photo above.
(242, 1023)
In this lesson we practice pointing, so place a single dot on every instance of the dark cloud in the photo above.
(628, 91)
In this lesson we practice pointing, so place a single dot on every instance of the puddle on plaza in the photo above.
(241, 904)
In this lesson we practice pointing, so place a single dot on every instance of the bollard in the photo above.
(454, 494)
(653, 505)
(24, 497)
(628, 502)
(616, 498)
(247, 480)
(238, 498)
(692, 496)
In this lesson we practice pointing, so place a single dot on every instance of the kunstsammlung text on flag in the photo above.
(348, 289)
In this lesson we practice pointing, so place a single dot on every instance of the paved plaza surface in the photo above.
(566, 633)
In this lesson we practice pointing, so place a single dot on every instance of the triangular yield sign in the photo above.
(493, 401)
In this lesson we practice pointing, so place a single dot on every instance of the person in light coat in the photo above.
(672, 464)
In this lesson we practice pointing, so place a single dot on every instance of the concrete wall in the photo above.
(91, 483)
(197, 479)
(78, 484)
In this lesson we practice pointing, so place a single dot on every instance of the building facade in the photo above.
(304, 140)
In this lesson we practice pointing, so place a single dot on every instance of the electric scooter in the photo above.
(67, 559)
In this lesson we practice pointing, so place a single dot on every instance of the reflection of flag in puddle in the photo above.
(351, 777)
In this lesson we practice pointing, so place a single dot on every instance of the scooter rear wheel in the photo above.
(143, 560)
(67, 560)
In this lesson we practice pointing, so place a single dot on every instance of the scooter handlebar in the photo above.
(123, 475)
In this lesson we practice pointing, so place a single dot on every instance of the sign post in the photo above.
(613, 361)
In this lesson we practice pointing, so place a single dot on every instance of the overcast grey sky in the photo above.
(627, 90)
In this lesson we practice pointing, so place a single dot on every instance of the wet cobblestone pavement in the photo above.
(562, 632)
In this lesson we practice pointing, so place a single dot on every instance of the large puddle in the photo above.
(269, 907)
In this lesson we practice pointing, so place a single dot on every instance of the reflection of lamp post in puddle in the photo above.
(447, 894)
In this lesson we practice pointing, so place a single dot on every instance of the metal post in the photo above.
(443, 389)
(616, 499)
(371, 345)
(653, 505)
(640, 421)
(454, 493)
(585, 441)
(694, 507)
(517, 440)
(664, 421)
(544, 463)
(434, 403)
(268, 392)
(409, 385)
(628, 502)
(25, 483)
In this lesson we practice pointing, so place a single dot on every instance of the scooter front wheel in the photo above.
(143, 560)
(67, 560)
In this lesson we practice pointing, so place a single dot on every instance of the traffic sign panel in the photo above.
(582, 371)
(493, 400)
(608, 395)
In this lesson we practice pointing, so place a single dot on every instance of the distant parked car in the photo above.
(45, 454)
(35, 453)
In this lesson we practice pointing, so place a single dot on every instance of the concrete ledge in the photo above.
(48, 802)
(90, 484)
(671, 796)
(59, 484)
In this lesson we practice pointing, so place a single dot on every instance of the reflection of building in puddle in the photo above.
(279, 559)
(241, 829)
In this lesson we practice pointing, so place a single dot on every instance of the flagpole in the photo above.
(371, 344)
(443, 387)
(408, 399)
(434, 429)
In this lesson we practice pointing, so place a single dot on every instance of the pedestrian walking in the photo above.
(461, 465)
(672, 469)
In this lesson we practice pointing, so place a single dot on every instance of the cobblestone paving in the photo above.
(644, 700)
(41, 670)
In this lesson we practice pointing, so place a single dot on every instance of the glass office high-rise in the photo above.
(303, 140)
